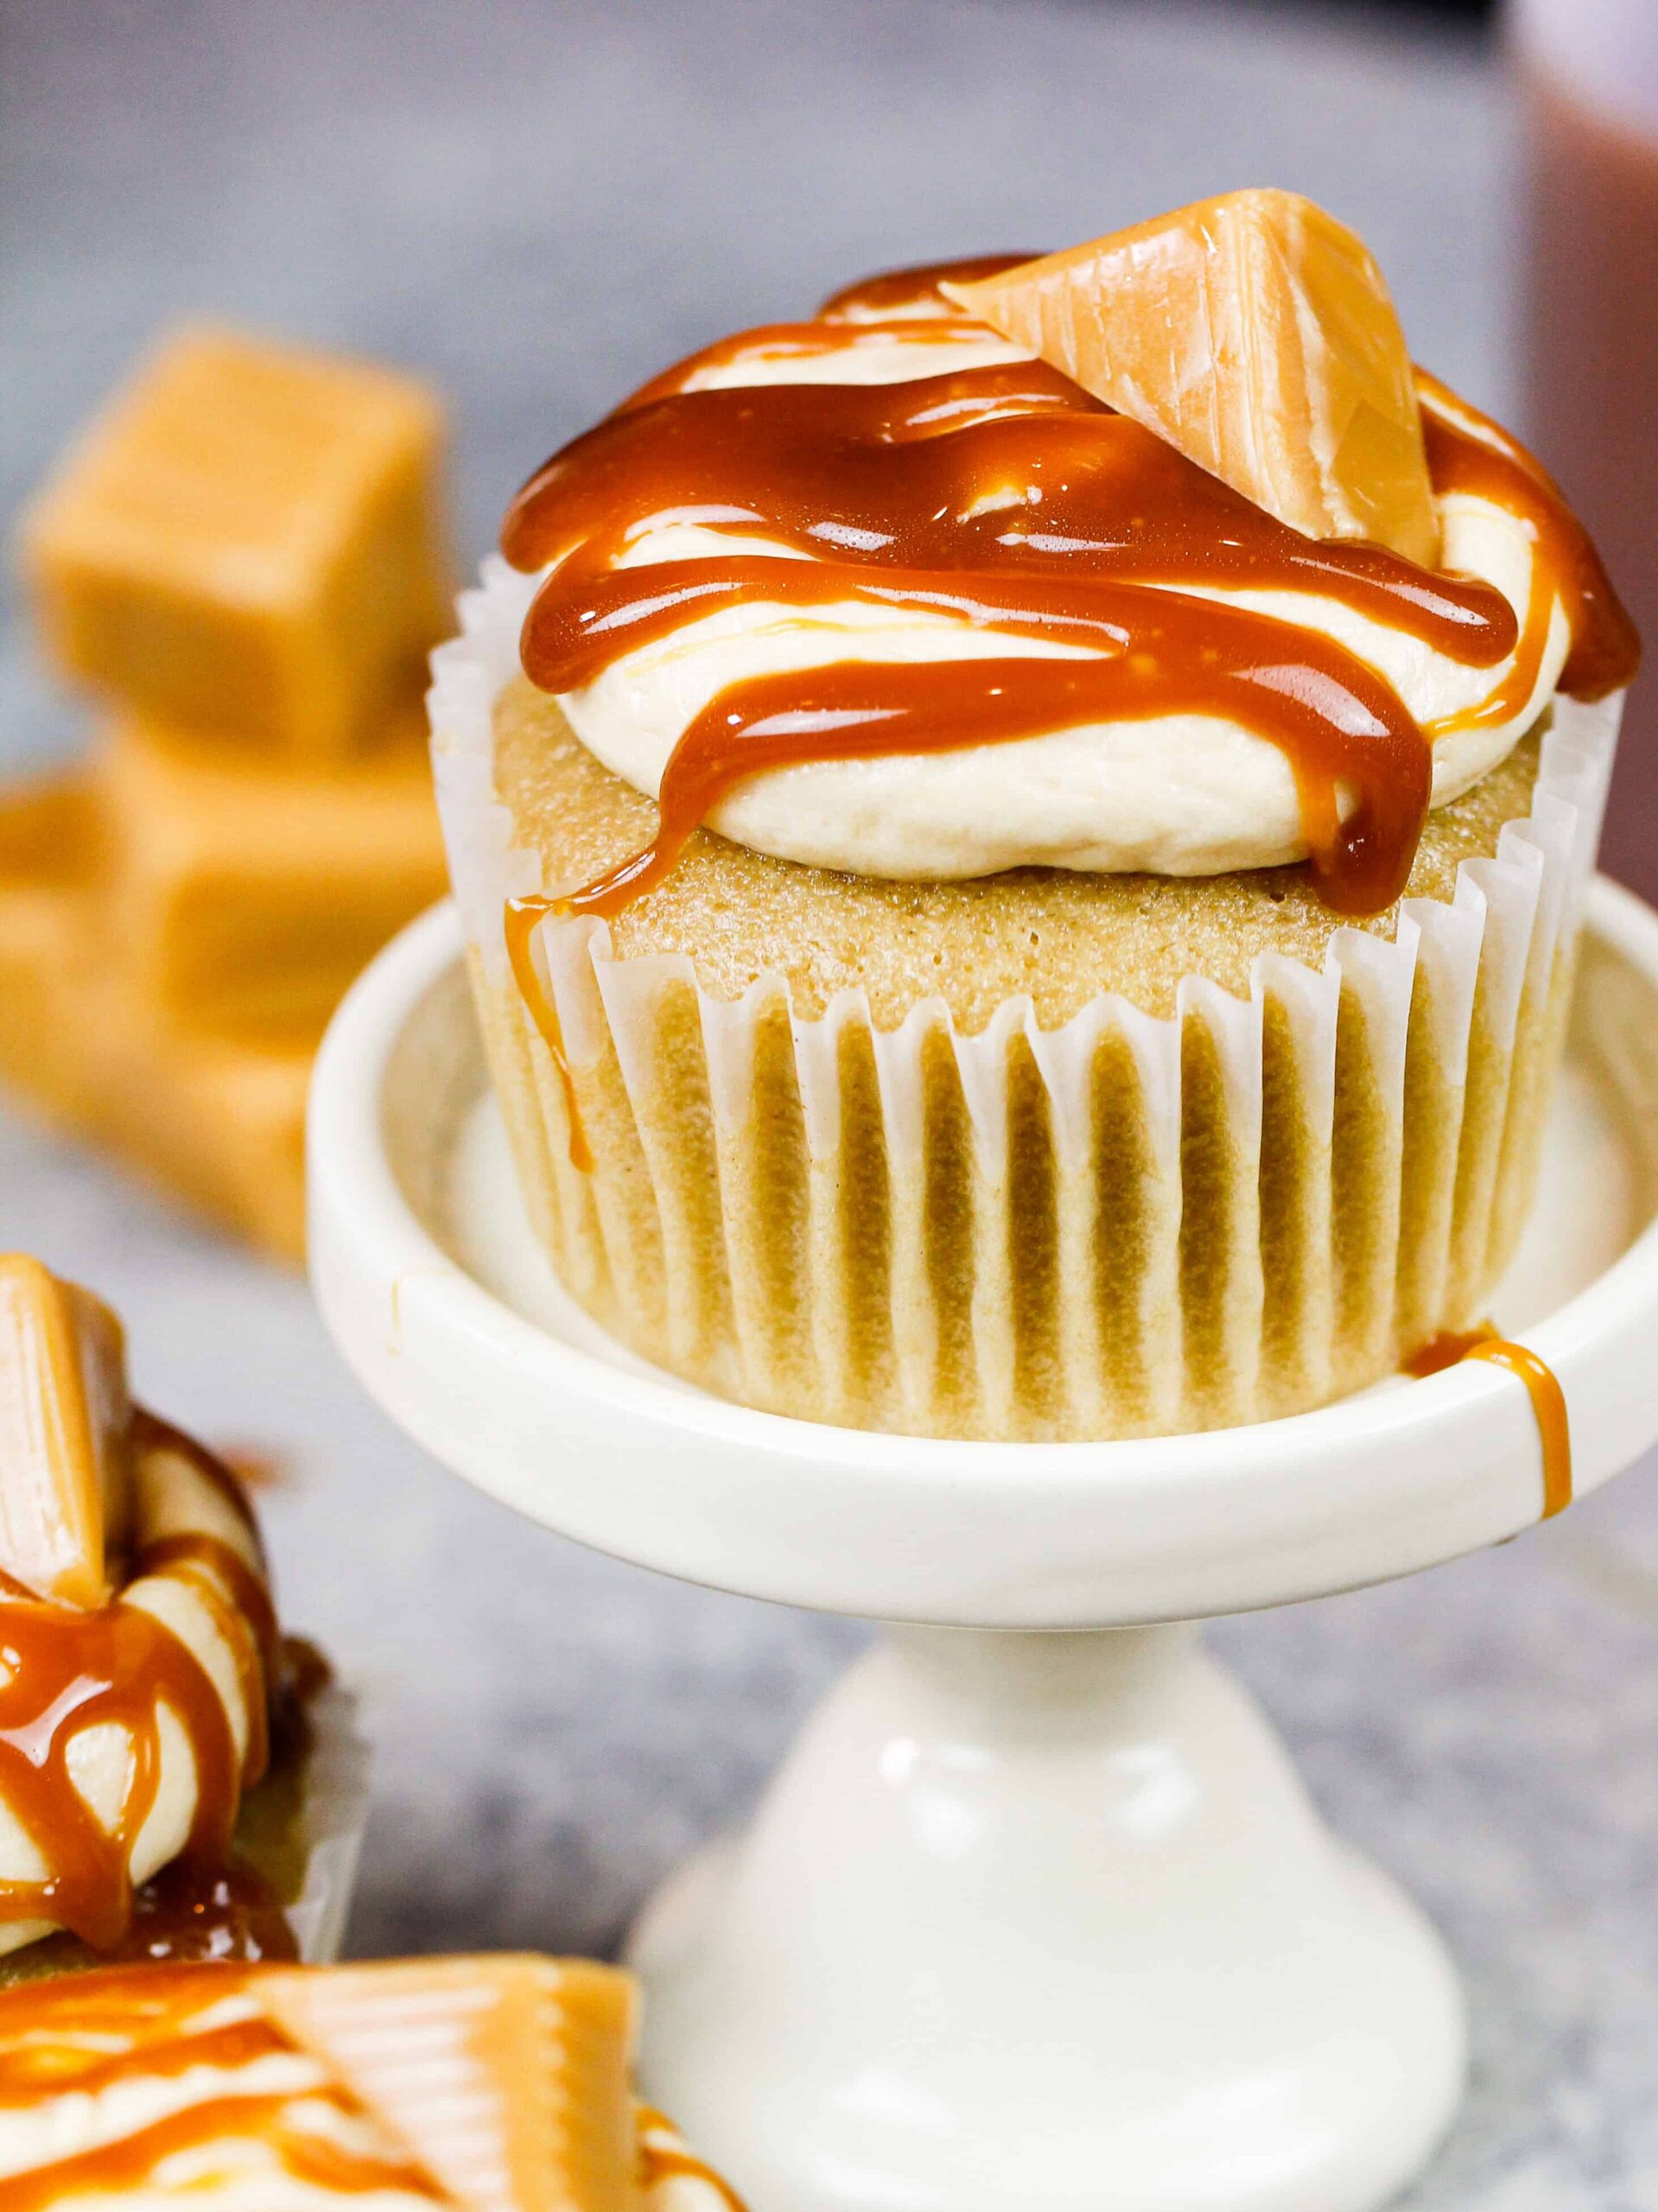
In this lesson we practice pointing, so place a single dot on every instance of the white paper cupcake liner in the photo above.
(335, 1812)
(1322, 1173)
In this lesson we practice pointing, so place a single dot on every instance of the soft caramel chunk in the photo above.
(65, 1489)
(248, 540)
(252, 891)
(1254, 333)
(220, 1119)
(48, 847)
(505, 2077)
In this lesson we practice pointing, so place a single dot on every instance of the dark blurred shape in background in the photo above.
(1588, 74)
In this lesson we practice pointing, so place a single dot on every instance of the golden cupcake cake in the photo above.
(1021, 841)
(175, 1781)
(492, 2084)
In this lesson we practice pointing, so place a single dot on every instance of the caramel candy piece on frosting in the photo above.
(65, 1416)
(252, 890)
(504, 2076)
(1254, 333)
(249, 540)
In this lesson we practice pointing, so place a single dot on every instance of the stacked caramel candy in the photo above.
(243, 560)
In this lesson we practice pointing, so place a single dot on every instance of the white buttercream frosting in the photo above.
(1185, 794)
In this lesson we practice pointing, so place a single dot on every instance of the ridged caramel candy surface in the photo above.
(505, 2077)
(1254, 333)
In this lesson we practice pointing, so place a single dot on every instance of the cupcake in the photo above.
(177, 1779)
(500, 2082)
(1021, 841)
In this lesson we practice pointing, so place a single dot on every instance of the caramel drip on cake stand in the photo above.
(1543, 1386)
(1008, 499)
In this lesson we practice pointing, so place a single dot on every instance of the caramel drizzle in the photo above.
(1542, 1385)
(665, 2162)
(65, 1670)
(55, 2036)
(913, 292)
(1008, 499)
(87, 2032)
(524, 917)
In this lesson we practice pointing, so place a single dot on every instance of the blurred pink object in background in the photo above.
(1589, 80)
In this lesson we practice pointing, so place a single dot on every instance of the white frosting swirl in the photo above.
(172, 1497)
(1186, 794)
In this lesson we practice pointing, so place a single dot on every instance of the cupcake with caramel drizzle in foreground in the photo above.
(494, 2084)
(162, 1792)
(1022, 840)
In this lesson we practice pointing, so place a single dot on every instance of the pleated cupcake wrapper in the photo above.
(1322, 1173)
(335, 1812)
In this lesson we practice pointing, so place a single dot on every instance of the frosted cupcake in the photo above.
(1021, 841)
(472, 2082)
(176, 1779)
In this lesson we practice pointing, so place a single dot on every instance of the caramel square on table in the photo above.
(249, 540)
(252, 891)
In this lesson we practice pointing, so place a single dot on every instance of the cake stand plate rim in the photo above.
(583, 1437)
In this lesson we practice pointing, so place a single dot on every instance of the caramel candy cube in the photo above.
(248, 540)
(250, 890)
(217, 1119)
(218, 1122)
(49, 850)
(507, 2077)
(1254, 333)
(64, 1421)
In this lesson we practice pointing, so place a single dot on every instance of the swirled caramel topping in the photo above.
(1005, 497)
(177, 1633)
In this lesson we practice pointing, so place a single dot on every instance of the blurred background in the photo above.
(538, 205)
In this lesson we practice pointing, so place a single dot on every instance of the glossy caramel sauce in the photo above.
(92, 2033)
(1543, 1386)
(63, 1670)
(1008, 500)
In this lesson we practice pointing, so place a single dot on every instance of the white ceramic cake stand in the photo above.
(1028, 1923)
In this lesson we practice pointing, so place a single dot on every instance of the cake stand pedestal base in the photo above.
(1047, 1921)
(1030, 1921)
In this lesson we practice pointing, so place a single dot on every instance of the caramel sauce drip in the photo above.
(522, 918)
(1543, 1386)
(1008, 499)
(1604, 652)
(63, 1670)
(90, 2032)
(200, 1914)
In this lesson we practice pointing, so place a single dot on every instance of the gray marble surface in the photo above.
(539, 204)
